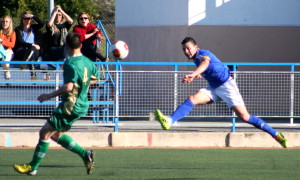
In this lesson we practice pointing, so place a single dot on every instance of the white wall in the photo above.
(250, 12)
(207, 12)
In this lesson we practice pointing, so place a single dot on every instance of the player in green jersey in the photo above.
(79, 74)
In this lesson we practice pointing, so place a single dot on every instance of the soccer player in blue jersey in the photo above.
(221, 87)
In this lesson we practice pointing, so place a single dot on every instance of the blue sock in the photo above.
(260, 124)
(182, 110)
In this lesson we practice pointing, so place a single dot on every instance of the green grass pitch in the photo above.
(252, 164)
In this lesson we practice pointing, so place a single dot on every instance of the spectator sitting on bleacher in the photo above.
(57, 30)
(26, 48)
(7, 41)
(89, 33)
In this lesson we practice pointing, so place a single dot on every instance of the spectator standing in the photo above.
(57, 30)
(89, 33)
(7, 40)
(27, 48)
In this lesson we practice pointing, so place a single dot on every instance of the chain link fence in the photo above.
(266, 94)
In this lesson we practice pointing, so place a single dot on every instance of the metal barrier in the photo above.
(19, 94)
(138, 93)
(266, 93)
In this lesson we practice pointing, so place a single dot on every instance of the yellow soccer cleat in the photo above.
(25, 169)
(281, 140)
(89, 161)
(162, 119)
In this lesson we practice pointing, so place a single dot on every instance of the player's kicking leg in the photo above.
(164, 121)
(181, 111)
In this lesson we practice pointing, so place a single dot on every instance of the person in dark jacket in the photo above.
(57, 30)
(27, 48)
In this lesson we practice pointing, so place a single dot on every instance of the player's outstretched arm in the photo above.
(62, 90)
(202, 67)
(196, 74)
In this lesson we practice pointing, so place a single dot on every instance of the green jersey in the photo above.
(79, 70)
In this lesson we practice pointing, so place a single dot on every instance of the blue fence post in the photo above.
(233, 119)
(233, 125)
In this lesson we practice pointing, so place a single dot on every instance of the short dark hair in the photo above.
(73, 40)
(188, 39)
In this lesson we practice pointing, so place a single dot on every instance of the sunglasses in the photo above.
(26, 18)
(82, 18)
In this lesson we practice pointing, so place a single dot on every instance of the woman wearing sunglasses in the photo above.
(89, 33)
(27, 48)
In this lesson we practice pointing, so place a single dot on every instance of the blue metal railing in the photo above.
(176, 66)
(108, 42)
(108, 75)
(95, 103)
(117, 64)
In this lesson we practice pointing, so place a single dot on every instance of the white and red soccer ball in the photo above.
(119, 50)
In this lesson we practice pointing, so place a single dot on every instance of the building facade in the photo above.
(235, 30)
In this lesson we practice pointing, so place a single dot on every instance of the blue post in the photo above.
(233, 125)
(233, 119)
(116, 128)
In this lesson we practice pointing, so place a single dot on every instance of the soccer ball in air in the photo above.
(119, 50)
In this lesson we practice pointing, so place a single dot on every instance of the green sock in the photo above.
(68, 143)
(39, 153)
